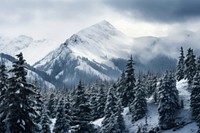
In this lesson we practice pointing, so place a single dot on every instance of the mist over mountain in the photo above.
(32, 49)
(100, 52)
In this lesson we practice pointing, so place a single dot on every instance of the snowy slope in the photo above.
(152, 115)
(32, 74)
(33, 50)
(87, 55)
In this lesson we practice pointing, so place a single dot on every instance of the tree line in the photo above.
(27, 108)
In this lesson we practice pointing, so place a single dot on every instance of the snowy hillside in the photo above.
(99, 52)
(151, 121)
(43, 80)
(33, 50)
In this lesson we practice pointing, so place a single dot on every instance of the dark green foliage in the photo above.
(150, 83)
(113, 122)
(101, 101)
(38, 101)
(94, 106)
(181, 66)
(79, 96)
(139, 106)
(168, 101)
(62, 124)
(81, 111)
(195, 98)
(3, 89)
(20, 114)
(128, 90)
(120, 86)
(190, 66)
(45, 122)
(198, 65)
(111, 102)
(51, 107)
(68, 111)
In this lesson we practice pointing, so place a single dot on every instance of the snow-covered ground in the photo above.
(151, 119)
(52, 124)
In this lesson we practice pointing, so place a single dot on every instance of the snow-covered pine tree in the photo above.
(119, 120)
(68, 109)
(128, 91)
(3, 89)
(101, 101)
(120, 86)
(190, 66)
(93, 105)
(198, 65)
(38, 101)
(51, 107)
(111, 102)
(79, 96)
(45, 122)
(20, 114)
(113, 121)
(195, 98)
(139, 106)
(168, 101)
(150, 83)
(62, 124)
(181, 66)
(81, 111)
(110, 110)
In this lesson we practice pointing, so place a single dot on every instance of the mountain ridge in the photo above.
(89, 55)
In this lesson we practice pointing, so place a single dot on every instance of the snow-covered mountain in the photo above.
(99, 52)
(33, 50)
(44, 80)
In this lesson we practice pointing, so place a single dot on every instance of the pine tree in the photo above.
(94, 105)
(150, 83)
(51, 107)
(111, 102)
(20, 115)
(79, 97)
(190, 66)
(181, 66)
(119, 120)
(101, 101)
(139, 106)
(3, 89)
(128, 91)
(113, 121)
(168, 101)
(45, 121)
(62, 124)
(120, 86)
(198, 65)
(68, 110)
(195, 98)
(81, 111)
(38, 102)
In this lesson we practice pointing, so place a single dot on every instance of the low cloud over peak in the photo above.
(162, 11)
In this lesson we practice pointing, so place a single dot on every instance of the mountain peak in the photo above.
(101, 28)
(104, 23)
(97, 32)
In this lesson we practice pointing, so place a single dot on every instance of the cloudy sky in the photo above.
(58, 19)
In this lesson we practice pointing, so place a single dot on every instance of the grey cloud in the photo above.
(165, 11)
(29, 10)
